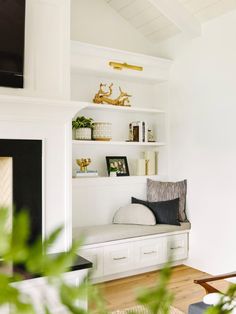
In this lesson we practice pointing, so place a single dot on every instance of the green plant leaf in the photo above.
(4, 234)
(82, 122)
(18, 249)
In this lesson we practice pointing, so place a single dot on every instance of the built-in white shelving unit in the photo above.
(100, 196)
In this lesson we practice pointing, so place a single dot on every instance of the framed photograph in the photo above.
(117, 164)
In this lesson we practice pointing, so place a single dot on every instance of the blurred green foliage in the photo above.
(227, 304)
(15, 249)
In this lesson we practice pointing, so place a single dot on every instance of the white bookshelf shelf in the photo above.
(118, 143)
(98, 181)
(92, 106)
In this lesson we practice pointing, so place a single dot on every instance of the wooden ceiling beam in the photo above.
(177, 14)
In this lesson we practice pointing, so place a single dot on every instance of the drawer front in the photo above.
(96, 257)
(149, 252)
(118, 258)
(177, 246)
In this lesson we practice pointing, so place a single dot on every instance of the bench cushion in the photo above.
(112, 232)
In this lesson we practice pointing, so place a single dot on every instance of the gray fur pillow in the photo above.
(164, 191)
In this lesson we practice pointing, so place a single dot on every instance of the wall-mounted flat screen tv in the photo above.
(12, 42)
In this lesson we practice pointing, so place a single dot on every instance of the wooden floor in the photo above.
(120, 294)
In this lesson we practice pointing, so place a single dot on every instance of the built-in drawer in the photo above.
(118, 258)
(149, 252)
(177, 246)
(96, 257)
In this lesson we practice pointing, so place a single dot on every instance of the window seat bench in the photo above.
(113, 232)
(119, 250)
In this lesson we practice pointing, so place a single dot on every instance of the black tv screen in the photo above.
(12, 42)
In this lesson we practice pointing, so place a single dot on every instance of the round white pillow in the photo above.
(134, 214)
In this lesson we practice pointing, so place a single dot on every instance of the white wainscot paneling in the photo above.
(95, 200)
(96, 204)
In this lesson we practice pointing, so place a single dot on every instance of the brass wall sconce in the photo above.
(121, 66)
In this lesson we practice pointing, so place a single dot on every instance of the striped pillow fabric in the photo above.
(164, 191)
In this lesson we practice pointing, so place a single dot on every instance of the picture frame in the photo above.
(118, 162)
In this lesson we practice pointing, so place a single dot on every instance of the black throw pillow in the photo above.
(166, 212)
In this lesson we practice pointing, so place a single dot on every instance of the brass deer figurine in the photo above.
(102, 97)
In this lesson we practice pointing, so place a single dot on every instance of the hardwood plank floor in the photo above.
(121, 293)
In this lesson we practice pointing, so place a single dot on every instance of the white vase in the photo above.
(83, 134)
(102, 131)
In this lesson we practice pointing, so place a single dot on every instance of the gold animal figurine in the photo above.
(83, 163)
(103, 96)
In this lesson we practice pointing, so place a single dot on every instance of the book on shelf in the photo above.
(138, 131)
(89, 173)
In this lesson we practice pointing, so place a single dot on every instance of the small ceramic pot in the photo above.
(83, 134)
(112, 174)
(102, 131)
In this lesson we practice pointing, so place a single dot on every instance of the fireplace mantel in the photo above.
(28, 108)
(49, 121)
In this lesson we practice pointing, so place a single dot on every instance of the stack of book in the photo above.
(87, 174)
(138, 131)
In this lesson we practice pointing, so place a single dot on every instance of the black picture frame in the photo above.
(124, 168)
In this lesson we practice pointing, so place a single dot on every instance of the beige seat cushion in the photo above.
(112, 232)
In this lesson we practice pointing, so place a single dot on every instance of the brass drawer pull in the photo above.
(176, 248)
(119, 258)
(149, 253)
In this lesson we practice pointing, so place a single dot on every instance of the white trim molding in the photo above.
(49, 121)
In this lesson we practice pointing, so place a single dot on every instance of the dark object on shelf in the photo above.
(135, 133)
(118, 162)
(138, 131)
(78, 264)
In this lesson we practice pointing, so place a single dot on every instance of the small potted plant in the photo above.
(83, 128)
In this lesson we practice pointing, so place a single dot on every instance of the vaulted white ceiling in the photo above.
(158, 20)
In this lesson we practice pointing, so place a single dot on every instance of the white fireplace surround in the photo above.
(49, 121)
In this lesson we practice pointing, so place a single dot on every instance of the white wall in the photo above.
(202, 140)
(95, 22)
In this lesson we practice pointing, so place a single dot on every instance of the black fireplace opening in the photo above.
(27, 180)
